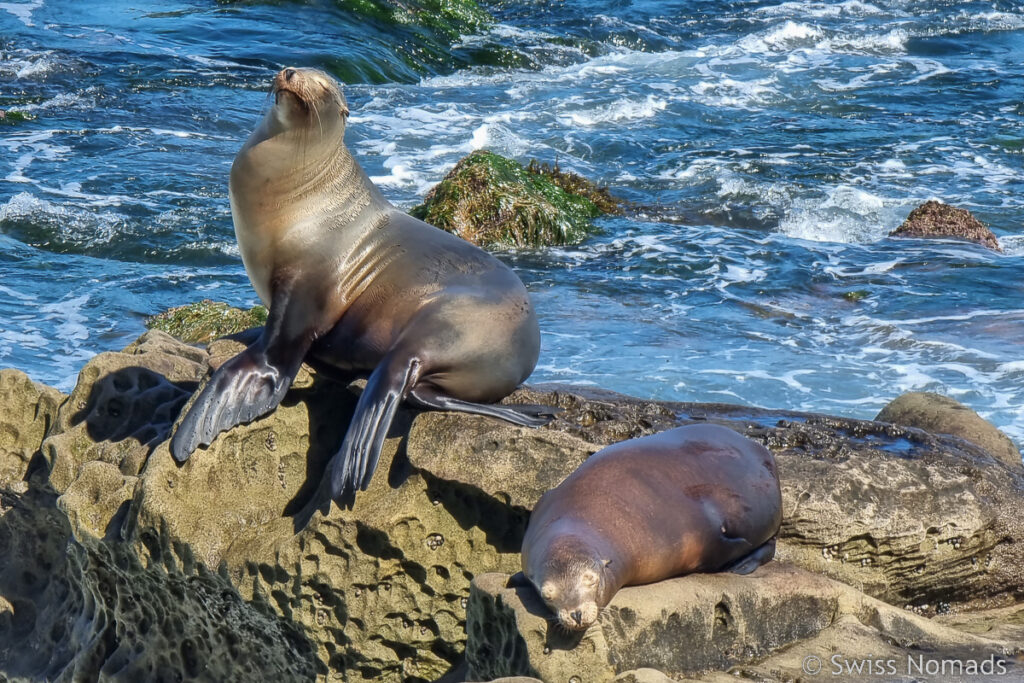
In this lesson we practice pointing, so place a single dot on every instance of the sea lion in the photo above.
(700, 498)
(354, 286)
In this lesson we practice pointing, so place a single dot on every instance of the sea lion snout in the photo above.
(312, 89)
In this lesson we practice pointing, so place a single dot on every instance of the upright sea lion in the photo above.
(356, 286)
(700, 498)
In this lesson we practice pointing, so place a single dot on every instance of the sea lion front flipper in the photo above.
(242, 389)
(522, 415)
(748, 563)
(354, 464)
(252, 383)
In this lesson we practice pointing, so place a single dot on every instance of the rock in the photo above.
(204, 321)
(763, 625)
(642, 676)
(448, 18)
(137, 551)
(11, 116)
(944, 415)
(493, 201)
(935, 219)
(123, 406)
(33, 534)
(915, 519)
(27, 410)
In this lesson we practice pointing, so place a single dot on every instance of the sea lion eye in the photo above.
(548, 592)
(589, 579)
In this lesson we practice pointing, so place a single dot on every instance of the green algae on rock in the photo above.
(206, 320)
(493, 201)
(416, 37)
(449, 18)
(11, 117)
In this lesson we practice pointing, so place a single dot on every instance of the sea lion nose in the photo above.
(289, 74)
(577, 616)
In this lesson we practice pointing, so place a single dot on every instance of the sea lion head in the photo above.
(573, 582)
(307, 102)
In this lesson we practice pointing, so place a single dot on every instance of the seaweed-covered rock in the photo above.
(206, 320)
(11, 116)
(493, 201)
(404, 40)
(944, 415)
(150, 568)
(449, 18)
(765, 626)
(935, 219)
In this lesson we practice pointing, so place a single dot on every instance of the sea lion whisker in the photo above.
(319, 120)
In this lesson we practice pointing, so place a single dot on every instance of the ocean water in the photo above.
(773, 146)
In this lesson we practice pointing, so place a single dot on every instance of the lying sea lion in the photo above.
(354, 286)
(700, 498)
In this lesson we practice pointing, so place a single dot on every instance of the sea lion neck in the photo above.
(279, 181)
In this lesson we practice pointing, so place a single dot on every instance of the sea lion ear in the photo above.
(606, 563)
(343, 109)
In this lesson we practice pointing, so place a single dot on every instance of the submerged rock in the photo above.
(493, 201)
(944, 415)
(206, 320)
(764, 626)
(935, 219)
(115, 559)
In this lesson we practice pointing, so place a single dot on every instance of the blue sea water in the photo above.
(776, 145)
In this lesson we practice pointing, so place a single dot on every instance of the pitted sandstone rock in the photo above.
(378, 592)
(123, 405)
(27, 410)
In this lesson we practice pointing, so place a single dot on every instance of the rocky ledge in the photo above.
(116, 564)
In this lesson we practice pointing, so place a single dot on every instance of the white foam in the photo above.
(927, 68)
(729, 92)
(788, 36)
(22, 10)
(846, 214)
(620, 110)
(77, 225)
(850, 8)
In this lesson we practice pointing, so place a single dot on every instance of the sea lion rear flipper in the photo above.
(748, 563)
(522, 415)
(355, 463)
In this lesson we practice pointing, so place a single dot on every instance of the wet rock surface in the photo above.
(944, 415)
(935, 219)
(116, 560)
